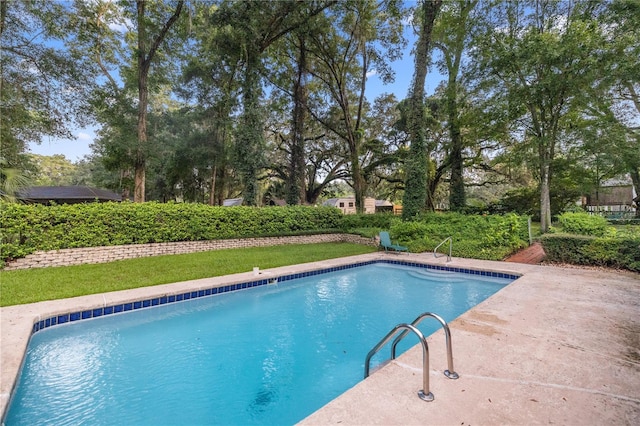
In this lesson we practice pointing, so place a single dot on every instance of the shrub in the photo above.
(378, 220)
(618, 252)
(27, 228)
(620, 222)
(583, 224)
(480, 237)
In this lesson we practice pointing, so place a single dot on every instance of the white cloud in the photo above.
(117, 27)
(84, 136)
(372, 73)
(121, 26)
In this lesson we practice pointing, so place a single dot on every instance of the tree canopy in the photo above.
(267, 101)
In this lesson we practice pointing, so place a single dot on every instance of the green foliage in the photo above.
(44, 85)
(12, 180)
(481, 237)
(617, 252)
(620, 222)
(380, 221)
(542, 60)
(27, 228)
(583, 224)
(417, 192)
(526, 201)
(53, 170)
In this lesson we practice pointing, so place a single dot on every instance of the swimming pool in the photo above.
(272, 354)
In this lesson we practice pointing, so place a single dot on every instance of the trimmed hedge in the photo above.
(583, 224)
(616, 252)
(29, 228)
(378, 220)
(632, 222)
(491, 237)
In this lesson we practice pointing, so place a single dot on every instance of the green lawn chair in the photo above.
(385, 242)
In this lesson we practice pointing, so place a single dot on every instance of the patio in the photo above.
(559, 345)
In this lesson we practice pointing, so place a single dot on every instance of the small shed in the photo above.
(66, 195)
(348, 204)
(384, 206)
(614, 197)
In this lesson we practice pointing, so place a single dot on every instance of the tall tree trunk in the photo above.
(144, 63)
(296, 177)
(415, 193)
(250, 141)
(143, 99)
(358, 180)
(545, 199)
(212, 189)
(357, 136)
(453, 58)
(457, 196)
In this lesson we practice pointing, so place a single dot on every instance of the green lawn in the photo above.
(35, 285)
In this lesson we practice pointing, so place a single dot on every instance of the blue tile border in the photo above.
(167, 299)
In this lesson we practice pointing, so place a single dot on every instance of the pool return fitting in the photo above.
(424, 393)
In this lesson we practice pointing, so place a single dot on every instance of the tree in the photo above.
(385, 149)
(53, 170)
(148, 45)
(451, 35)
(323, 153)
(542, 56)
(364, 37)
(43, 86)
(210, 83)
(295, 182)
(415, 195)
(125, 58)
(258, 25)
(615, 111)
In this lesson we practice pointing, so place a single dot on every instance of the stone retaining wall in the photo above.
(78, 256)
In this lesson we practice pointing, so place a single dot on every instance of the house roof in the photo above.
(619, 181)
(229, 202)
(67, 194)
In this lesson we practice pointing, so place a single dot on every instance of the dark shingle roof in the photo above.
(66, 194)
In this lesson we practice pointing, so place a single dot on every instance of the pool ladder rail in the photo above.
(424, 393)
(435, 250)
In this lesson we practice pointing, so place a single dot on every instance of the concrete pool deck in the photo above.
(559, 345)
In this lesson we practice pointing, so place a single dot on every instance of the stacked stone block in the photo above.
(79, 256)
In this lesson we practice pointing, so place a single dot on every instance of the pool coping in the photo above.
(17, 323)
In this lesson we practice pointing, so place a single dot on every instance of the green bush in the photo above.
(482, 237)
(378, 220)
(28, 228)
(620, 222)
(583, 224)
(617, 252)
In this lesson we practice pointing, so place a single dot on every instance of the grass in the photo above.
(35, 285)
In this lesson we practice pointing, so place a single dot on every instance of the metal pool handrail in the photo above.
(435, 250)
(424, 393)
(450, 372)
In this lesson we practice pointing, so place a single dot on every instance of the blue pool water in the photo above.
(267, 355)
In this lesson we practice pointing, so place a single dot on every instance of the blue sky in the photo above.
(76, 149)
